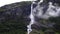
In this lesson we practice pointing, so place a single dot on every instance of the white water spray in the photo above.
(50, 12)
(32, 19)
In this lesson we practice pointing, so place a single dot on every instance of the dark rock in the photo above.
(14, 16)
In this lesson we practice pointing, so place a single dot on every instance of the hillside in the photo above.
(14, 19)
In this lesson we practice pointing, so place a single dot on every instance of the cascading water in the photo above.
(52, 11)
(32, 18)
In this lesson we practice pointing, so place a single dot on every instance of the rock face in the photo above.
(14, 16)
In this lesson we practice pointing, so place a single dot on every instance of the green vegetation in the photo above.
(18, 26)
(10, 24)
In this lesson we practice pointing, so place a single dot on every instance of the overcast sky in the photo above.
(4, 2)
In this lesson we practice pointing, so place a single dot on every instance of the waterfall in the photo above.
(52, 11)
(32, 19)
